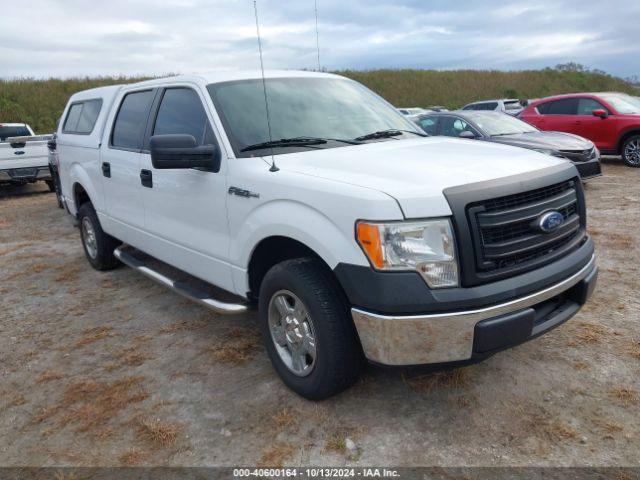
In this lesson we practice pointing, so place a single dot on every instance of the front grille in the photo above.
(504, 232)
(579, 155)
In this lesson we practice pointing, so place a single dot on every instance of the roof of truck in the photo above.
(218, 77)
(227, 76)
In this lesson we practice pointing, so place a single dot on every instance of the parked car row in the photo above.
(577, 127)
(500, 128)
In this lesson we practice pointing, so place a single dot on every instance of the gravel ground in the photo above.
(103, 369)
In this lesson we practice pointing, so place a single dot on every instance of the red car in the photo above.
(610, 120)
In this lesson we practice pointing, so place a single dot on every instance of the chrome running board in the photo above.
(181, 288)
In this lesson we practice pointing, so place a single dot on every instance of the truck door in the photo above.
(185, 209)
(120, 165)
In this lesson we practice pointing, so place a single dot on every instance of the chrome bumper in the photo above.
(441, 337)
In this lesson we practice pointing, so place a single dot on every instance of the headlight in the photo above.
(426, 247)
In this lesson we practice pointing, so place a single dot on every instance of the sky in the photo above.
(65, 38)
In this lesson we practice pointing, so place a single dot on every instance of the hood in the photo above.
(546, 140)
(416, 171)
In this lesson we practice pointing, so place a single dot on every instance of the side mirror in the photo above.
(467, 134)
(182, 151)
(599, 112)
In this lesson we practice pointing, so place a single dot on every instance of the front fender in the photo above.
(333, 243)
(298, 221)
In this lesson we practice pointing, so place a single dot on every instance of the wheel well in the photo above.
(624, 137)
(268, 253)
(80, 195)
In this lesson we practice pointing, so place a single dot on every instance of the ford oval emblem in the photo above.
(550, 221)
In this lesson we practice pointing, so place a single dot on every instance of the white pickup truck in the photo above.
(24, 156)
(310, 197)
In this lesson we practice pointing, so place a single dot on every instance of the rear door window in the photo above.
(566, 106)
(131, 120)
(429, 125)
(82, 117)
(181, 112)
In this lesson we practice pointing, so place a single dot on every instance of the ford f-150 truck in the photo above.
(23, 155)
(311, 198)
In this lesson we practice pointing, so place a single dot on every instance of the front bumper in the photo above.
(27, 174)
(589, 169)
(458, 336)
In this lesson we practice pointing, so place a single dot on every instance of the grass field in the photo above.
(40, 102)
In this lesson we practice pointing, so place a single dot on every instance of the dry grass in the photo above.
(634, 350)
(276, 454)
(238, 348)
(157, 432)
(39, 267)
(337, 440)
(48, 376)
(132, 457)
(450, 380)
(538, 423)
(587, 334)
(132, 356)
(17, 400)
(92, 335)
(67, 272)
(287, 417)
(91, 405)
(186, 326)
(624, 395)
(610, 428)
(15, 248)
(580, 365)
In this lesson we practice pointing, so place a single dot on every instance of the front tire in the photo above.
(308, 330)
(631, 151)
(98, 246)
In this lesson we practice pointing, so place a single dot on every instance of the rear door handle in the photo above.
(106, 169)
(146, 178)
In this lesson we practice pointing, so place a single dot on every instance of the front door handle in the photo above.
(106, 169)
(146, 178)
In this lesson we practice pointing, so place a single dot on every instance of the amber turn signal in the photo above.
(369, 240)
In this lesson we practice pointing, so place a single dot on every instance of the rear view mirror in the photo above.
(182, 151)
(466, 134)
(599, 112)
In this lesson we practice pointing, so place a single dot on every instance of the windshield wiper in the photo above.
(392, 132)
(296, 142)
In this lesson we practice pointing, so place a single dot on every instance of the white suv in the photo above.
(310, 197)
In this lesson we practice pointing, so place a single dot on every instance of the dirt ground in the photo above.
(103, 369)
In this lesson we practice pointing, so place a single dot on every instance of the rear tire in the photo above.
(98, 246)
(306, 285)
(631, 151)
(51, 185)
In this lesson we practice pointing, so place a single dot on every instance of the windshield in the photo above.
(623, 103)
(7, 131)
(500, 124)
(301, 107)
